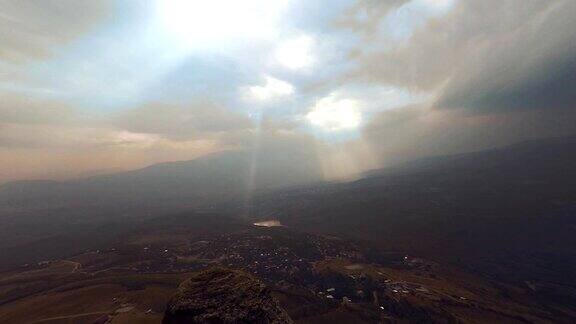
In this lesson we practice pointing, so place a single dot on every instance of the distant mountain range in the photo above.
(205, 180)
(229, 175)
(547, 153)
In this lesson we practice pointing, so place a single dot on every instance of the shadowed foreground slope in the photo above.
(220, 295)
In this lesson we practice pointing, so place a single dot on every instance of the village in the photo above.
(332, 270)
(279, 258)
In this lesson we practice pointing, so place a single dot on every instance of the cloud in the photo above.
(417, 131)
(334, 114)
(532, 67)
(27, 123)
(108, 150)
(15, 109)
(296, 53)
(364, 17)
(484, 56)
(32, 29)
(495, 72)
(179, 121)
(47, 131)
(273, 88)
(437, 50)
(51, 140)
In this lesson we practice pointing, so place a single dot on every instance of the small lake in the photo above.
(268, 223)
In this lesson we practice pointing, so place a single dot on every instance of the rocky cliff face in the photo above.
(221, 295)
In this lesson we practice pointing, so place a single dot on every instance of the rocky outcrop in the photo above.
(221, 295)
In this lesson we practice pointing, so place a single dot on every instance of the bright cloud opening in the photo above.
(335, 114)
(295, 53)
(271, 89)
(201, 23)
(440, 5)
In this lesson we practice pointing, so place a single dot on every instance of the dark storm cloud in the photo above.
(532, 67)
(498, 72)
(491, 55)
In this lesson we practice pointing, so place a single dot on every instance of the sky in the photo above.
(96, 86)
